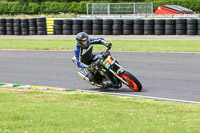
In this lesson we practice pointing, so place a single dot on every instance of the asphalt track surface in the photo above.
(163, 75)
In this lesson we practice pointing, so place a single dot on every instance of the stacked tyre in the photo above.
(117, 27)
(9, 26)
(77, 26)
(159, 27)
(170, 27)
(67, 27)
(191, 28)
(107, 27)
(2, 26)
(25, 26)
(198, 27)
(149, 27)
(97, 26)
(32, 26)
(87, 26)
(138, 27)
(127, 26)
(17, 27)
(180, 26)
(58, 27)
(41, 26)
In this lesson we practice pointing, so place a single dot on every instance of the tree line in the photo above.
(111, 1)
(78, 6)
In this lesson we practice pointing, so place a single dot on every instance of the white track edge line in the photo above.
(155, 98)
(129, 95)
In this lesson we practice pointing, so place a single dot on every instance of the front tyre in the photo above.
(133, 82)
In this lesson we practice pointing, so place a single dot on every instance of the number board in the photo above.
(108, 62)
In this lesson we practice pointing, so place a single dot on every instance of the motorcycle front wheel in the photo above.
(133, 82)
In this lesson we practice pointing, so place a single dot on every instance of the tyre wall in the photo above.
(23, 26)
(130, 26)
(43, 26)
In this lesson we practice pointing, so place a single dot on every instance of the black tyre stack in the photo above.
(87, 26)
(77, 26)
(97, 26)
(9, 26)
(38, 26)
(25, 26)
(127, 27)
(149, 27)
(191, 28)
(180, 26)
(67, 27)
(32, 26)
(107, 27)
(17, 27)
(58, 27)
(159, 27)
(41, 26)
(170, 27)
(138, 27)
(2, 26)
(117, 27)
(198, 27)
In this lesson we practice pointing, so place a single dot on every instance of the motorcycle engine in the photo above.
(107, 82)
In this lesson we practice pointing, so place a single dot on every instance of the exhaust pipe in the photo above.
(86, 78)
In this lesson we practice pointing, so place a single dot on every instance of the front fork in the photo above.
(119, 71)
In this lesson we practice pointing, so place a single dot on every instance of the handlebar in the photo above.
(107, 50)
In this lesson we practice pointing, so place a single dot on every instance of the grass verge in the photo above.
(35, 111)
(118, 45)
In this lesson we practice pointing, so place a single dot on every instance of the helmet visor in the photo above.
(82, 42)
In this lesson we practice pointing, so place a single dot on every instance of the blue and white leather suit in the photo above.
(78, 49)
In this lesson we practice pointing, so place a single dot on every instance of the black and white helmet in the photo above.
(80, 37)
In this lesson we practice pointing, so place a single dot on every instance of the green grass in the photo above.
(118, 45)
(37, 44)
(51, 112)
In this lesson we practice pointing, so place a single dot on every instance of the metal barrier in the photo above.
(127, 16)
(119, 8)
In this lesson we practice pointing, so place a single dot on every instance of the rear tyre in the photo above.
(133, 82)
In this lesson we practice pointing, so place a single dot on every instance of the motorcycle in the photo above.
(106, 71)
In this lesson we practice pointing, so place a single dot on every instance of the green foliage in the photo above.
(3, 7)
(33, 7)
(82, 7)
(73, 7)
(77, 6)
(44, 7)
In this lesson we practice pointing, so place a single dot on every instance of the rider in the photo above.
(83, 43)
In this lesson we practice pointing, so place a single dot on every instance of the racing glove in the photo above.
(91, 67)
(109, 45)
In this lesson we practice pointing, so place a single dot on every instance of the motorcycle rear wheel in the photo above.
(133, 82)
